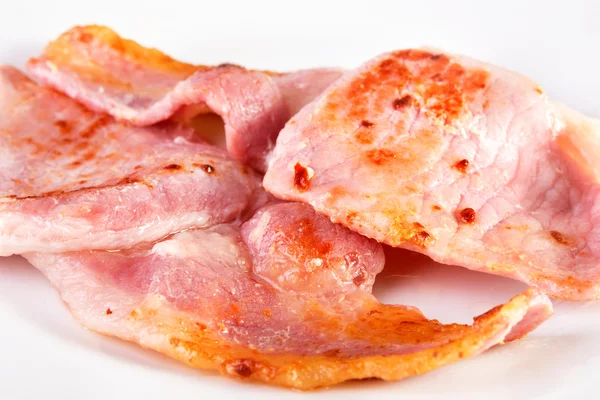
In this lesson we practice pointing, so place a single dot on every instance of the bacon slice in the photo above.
(465, 162)
(143, 86)
(284, 300)
(71, 179)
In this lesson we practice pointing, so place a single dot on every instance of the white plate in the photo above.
(44, 354)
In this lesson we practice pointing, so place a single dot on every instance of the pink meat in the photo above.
(285, 300)
(460, 160)
(71, 179)
(107, 73)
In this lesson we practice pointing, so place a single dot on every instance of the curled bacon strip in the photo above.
(143, 86)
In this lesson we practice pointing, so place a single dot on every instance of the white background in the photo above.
(44, 354)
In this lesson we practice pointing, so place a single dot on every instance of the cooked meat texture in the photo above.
(465, 162)
(143, 86)
(285, 299)
(71, 179)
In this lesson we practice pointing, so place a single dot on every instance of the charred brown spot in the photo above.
(380, 156)
(64, 126)
(332, 353)
(366, 124)
(559, 237)
(467, 215)
(242, 367)
(373, 312)
(108, 311)
(415, 233)
(54, 193)
(229, 65)
(422, 236)
(128, 180)
(301, 178)
(402, 102)
(173, 166)
(243, 370)
(436, 207)
(435, 57)
(201, 326)
(461, 166)
(208, 168)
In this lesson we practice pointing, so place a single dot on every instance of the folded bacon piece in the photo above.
(71, 179)
(465, 162)
(283, 300)
(143, 86)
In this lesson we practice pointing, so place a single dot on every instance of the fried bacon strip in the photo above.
(460, 160)
(285, 299)
(143, 86)
(71, 179)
